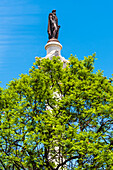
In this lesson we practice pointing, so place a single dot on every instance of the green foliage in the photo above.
(57, 118)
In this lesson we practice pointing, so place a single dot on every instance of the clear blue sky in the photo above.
(86, 27)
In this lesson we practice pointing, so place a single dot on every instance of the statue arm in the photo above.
(57, 23)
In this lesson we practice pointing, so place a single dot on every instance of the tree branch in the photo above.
(3, 164)
(63, 163)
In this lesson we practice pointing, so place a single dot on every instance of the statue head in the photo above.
(54, 12)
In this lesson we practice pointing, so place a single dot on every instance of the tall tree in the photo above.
(57, 117)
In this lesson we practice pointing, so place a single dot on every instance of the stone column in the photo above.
(53, 48)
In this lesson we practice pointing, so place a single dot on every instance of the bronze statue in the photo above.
(53, 27)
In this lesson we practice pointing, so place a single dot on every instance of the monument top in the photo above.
(53, 46)
(53, 27)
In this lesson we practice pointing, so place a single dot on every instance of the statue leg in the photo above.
(55, 33)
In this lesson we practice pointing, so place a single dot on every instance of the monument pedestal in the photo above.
(53, 48)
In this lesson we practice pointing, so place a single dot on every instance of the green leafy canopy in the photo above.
(57, 118)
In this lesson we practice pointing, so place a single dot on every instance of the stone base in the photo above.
(53, 39)
(53, 48)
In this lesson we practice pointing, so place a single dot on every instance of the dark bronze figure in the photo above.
(53, 27)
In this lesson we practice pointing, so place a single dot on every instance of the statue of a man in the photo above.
(53, 27)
